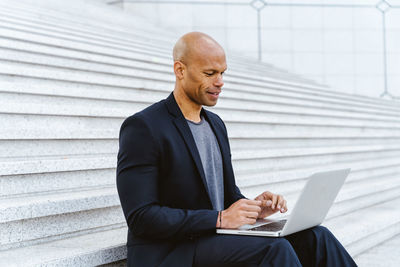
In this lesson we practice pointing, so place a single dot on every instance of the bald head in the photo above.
(199, 64)
(195, 45)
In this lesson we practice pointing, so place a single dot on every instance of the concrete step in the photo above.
(86, 250)
(10, 16)
(350, 199)
(18, 21)
(253, 130)
(255, 154)
(114, 55)
(57, 202)
(164, 64)
(386, 253)
(363, 229)
(300, 86)
(250, 176)
(62, 93)
(61, 75)
(235, 106)
(92, 16)
(275, 143)
(265, 160)
(15, 24)
(67, 171)
(353, 196)
(261, 127)
(356, 195)
(46, 40)
(89, 16)
(228, 110)
(353, 230)
(54, 147)
(256, 65)
(15, 57)
(51, 164)
(19, 185)
(362, 194)
(28, 232)
(235, 130)
(35, 218)
(48, 173)
(115, 117)
(253, 169)
(373, 100)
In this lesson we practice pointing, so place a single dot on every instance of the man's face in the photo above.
(203, 77)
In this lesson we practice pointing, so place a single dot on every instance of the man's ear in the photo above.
(179, 69)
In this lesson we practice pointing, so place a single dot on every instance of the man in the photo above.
(176, 183)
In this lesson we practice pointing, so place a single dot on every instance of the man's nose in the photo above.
(219, 81)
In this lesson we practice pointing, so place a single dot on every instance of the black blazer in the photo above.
(162, 187)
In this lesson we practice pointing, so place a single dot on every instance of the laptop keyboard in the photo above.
(270, 227)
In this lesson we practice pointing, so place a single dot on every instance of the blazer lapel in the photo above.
(183, 128)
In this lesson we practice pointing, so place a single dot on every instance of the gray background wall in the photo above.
(337, 42)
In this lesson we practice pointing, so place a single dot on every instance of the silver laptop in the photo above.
(310, 210)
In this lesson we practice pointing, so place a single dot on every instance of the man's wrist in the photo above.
(219, 220)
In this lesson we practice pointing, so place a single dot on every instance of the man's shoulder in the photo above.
(150, 114)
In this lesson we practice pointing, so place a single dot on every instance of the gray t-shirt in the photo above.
(211, 158)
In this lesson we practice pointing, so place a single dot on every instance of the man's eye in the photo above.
(208, 74)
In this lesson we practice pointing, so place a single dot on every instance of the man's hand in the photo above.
(243, 211)
(271, 203)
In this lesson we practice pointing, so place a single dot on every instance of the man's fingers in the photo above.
(284, 209)
(250, 221)
(274, 201)
(280, 202)
(255, 208)
(252, 202)
(252, 215)
(267, 195)
(267, 203)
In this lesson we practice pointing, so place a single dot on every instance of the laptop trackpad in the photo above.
(259, 222)
(270, 227)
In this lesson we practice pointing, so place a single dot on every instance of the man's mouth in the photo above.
(214, 93)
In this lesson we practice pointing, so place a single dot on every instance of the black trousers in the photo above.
(312, 247)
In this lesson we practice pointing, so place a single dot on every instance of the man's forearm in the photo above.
(154, 221)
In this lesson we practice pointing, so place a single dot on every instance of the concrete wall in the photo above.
(340, 46)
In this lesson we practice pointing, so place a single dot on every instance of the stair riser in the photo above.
(29, 122)
(21, 148)
(104, 91)
(304, 160)
(123, 110)
(227, 108)
(46, 182)
(34, 148)
(38, 230)
(43, 208)
(285, 186)
(71, 222)
(373, 239)
(238, 144)
(42, 182)
(359, 170)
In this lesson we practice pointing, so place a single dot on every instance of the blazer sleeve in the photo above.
(137, 184)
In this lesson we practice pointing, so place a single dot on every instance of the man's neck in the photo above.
(191, 111)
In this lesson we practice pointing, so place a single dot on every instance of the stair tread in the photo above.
(86, 250)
